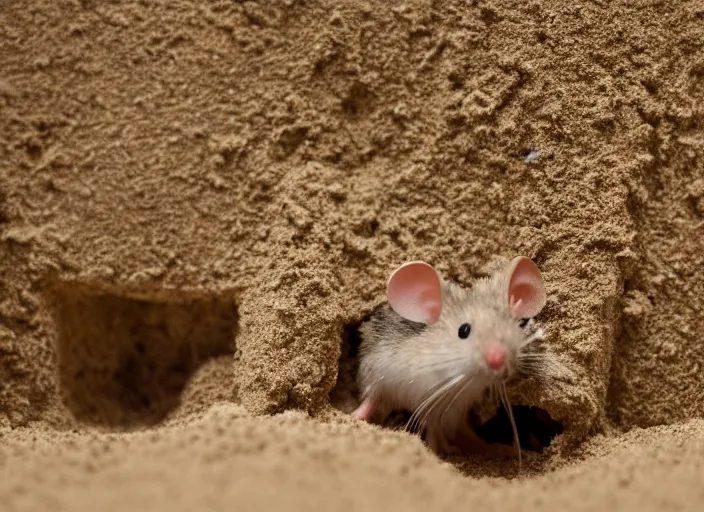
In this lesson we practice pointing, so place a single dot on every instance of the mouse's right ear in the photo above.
(414, 292)
(526, 291)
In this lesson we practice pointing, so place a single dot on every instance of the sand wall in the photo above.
(267, 164)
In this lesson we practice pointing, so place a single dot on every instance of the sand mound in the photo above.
(199, 201)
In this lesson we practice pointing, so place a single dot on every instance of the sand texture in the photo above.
(199, 202)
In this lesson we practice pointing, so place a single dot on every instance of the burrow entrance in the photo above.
(536, 429)
(123, 362)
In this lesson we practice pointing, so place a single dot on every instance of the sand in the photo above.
(199, 201)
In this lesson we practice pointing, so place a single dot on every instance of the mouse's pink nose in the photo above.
(495, 357)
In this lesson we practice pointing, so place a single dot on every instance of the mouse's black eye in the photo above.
(464, 331)
(524, 322)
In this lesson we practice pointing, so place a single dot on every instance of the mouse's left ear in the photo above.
(526, 292)
(414, 292)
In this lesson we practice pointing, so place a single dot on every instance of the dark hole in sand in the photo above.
(345, 395)
(123, 362)
(536, 429)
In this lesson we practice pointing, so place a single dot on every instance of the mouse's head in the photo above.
(476, 332)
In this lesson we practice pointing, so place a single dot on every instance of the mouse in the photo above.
(438, 349)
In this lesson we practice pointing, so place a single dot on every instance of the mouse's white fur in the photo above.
(430, 370)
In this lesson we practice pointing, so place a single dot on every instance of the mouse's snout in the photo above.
(495, 357)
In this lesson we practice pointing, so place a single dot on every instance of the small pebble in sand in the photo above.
(529, 155)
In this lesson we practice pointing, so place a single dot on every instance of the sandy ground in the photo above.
(223, 459)
(199, 201)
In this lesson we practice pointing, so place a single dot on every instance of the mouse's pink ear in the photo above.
(526, 292)
(414, 292)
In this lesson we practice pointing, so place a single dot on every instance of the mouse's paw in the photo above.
(365, 410)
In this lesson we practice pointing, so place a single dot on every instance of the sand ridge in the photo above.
(291, 461)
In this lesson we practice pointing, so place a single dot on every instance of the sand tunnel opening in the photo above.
(536, 429)
(123, 362)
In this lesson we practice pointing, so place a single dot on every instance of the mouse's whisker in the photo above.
(423, 370)
(526, 355)
(416, 421)
(415, 417)
(540, 364)
(418, 417)
(442, 394)
(495, 394)
(532, 369)
(437, 359)
(457, 394)
(531, 358)
(435, 364)
(535, 363)
(509, 411)
(446, 393)
(538, 335)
